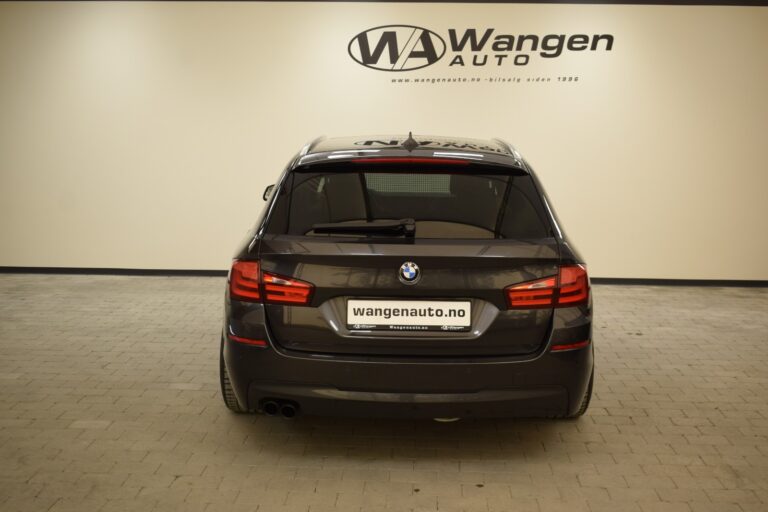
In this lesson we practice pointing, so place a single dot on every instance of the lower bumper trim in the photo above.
(523, 402)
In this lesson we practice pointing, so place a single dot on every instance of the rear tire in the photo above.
(587, 398)
(227, 393)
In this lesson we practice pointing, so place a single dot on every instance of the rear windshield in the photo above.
(443, 205)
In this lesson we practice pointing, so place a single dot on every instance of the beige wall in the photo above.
(142, 135)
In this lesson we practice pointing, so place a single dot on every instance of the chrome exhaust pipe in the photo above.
(270, 408)
(289, 411)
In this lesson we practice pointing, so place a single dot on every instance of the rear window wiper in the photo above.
(402, 227)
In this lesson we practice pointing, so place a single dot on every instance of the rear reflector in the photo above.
(248, 341)
(249, 284)
(411, 160)
(569, 288)
(569, 346)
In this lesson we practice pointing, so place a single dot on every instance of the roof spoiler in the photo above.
(305, 150)
(309, 145)
(515, 153)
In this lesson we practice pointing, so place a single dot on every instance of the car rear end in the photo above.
(404, 286)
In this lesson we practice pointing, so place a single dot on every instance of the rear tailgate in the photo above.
(470, 274)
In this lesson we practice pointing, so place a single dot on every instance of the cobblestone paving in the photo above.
(109, 401)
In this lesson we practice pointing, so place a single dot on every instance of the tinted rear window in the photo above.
(444, 205)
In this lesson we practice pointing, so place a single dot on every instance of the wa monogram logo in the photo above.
(408, 47)
(396, 48)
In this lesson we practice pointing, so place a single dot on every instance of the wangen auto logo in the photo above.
(408, 47)
(397, 48)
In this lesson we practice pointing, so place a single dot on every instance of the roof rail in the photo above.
(511, 148)
(309, 145)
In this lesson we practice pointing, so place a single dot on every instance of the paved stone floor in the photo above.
(109, 401)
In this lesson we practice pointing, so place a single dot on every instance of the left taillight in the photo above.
(570, 287)
(248, 282)
(245, 281)
(286, 290)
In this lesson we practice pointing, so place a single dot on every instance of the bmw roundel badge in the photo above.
(409, 273)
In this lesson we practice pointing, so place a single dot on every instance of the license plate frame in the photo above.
(409, 315)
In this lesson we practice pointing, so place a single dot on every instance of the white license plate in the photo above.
(409, 315)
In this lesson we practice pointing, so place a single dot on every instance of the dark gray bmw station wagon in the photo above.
(412, 277)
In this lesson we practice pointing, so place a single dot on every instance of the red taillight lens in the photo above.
(244, 282)
(534, 294)
(574, 286)
(286, 290)
(569, 288)
(248, 283)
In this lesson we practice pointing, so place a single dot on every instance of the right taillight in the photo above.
(533, 294)
(574, 286)
(569, 288)
(249, 283)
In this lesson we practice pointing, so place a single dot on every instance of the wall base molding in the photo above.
(113, 271)
(222, 273)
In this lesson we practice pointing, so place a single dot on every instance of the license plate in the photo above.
(408, 315)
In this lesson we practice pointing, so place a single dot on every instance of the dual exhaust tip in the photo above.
(288, 410)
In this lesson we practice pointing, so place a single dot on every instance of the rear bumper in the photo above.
(548, 384)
